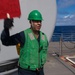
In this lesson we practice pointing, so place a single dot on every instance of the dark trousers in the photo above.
(29, 72)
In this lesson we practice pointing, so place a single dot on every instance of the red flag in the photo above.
(12, 7)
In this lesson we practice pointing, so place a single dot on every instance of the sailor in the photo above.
(33, 44)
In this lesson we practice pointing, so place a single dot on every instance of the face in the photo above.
(36, 25)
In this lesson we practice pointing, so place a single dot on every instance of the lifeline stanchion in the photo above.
(60, 43)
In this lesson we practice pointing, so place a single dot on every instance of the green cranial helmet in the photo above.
(35, 15)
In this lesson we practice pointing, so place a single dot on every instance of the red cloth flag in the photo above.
(12, 7)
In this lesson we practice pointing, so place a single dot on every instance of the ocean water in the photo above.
(67, 33)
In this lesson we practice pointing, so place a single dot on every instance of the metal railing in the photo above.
(62, 43)
(65, 36)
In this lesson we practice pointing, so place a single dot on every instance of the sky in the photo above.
(65, 12)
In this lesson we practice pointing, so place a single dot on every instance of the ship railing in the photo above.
(62, 44)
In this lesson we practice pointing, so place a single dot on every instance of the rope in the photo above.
(65, 44)
(72, 42)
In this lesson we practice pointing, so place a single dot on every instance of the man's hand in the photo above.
(8, 23)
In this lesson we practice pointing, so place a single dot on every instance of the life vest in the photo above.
(33, 54)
